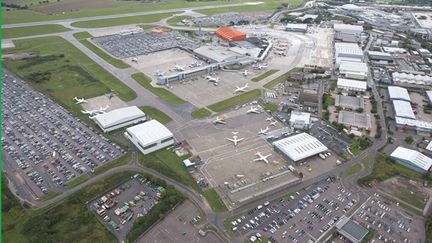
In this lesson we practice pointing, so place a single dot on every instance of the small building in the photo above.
(429, 96)
(349, 102)
(398, 93)
(119, 118)
(351, 230)
(353, 119)
(351, 85)
(300, 120)
(299, 146)
(412, 159)
(150, 136)
(230, 34)
(403, 109)
(296, 27)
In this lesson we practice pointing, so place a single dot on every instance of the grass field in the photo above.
(50, 195)
(19, 16)
(112, 164)
(414, 198)
(63, 72)
(32, 30)
(264, 75)
(156, 114)
(75, 182)
(176, 19)
(66, 221)
(160, 92)
(354, 169)
(284, 77)
(122, 21)
(270, 106)
(236, 100)
(167, 163)
(366, 161)
(201, 113)
(82, 37)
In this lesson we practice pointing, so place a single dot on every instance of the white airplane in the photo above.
(235, 139)
(219, 120)
(103, 109)
(178, 68)
(270, 119)
(262, 158)
(261, 66)
(159, 73)
(79, 101)
(264, 131)
(241, 89)
(273, 123)
(213, 79)
(135, 59)
(245, 73)
(239, 176)
(253, 110)
(90, 113)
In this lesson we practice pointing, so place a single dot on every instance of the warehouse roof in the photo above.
(379, 53)
(230, 33)
(149, 132)
(412, 78)
(297, 116)
(347, 66)
(418, 124)
(118, 116)
(403, 109)
(351, 102)
(350, 83)
(348, 28)
(351, 229)
(413, 156)
(429, 146)
(297, 26)
(398, 93)
(354, 119)
(300, 146)
(350, 48)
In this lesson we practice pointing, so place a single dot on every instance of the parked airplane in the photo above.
(213, 79)
(239, 176)
(90, 113)
(262, 158)
(219, 120)
(273, 123)
(159, 73)
(269, 119)
(178, 68)
(241, 89)
(253, 110)
(264, 131)
(79, 101)
(235, 139)
(261, 66)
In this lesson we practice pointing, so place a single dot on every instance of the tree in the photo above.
(359, 110)
(409, 140)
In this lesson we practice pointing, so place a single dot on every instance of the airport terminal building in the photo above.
(150, 136)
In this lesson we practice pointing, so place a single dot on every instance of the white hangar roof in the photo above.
(415, 157)
(149, 132)
(300, 146)
(403, 109)
(350, 83)
(118, 116)
(358, 67)
(398, 93)
(348, 28)
(298, 116)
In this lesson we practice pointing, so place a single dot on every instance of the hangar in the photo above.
(230, 34)
(300, 120)
(398, 93)
(150, 136)
(356, 70)
(299, 146)
(119, 118)
(412, 159)
(348, 52)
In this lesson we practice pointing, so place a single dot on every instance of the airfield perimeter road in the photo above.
(180, 119)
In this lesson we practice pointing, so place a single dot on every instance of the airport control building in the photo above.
(150, 136)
